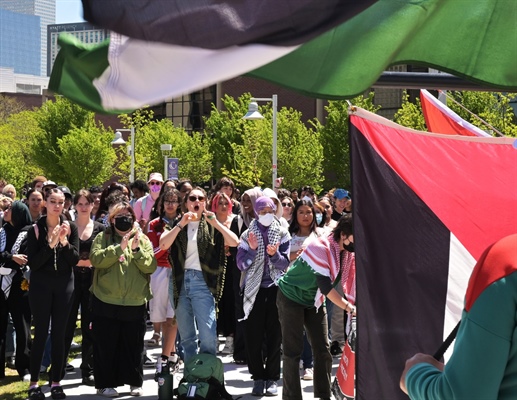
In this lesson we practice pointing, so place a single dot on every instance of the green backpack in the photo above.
(203, 378)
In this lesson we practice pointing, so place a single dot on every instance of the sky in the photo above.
(68, 11)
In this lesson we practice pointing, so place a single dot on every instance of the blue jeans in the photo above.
(196, 307)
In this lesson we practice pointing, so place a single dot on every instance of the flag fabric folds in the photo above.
(441, 119)
(425, 207)
(216, 24)
(468, 39)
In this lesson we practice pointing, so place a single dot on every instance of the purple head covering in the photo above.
(263, 202)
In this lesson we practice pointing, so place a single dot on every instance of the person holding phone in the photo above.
(124, 260)
(198, 259)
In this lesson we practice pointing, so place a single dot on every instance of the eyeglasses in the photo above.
(194, 198)
(170, 203)
(155, 183)
(286, 205)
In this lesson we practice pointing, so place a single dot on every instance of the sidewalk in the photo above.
(237, 381)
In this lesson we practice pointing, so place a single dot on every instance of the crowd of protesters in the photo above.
(200, 267)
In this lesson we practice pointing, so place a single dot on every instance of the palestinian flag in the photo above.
(325, 49)
(441, 119)
(425, 208)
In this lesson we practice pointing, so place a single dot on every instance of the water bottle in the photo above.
(165, 379)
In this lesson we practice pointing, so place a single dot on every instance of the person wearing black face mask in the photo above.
(124, 260)
(325, 263)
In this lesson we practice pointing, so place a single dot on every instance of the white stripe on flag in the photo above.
(142, 73)
(452, 115)
(461, 264)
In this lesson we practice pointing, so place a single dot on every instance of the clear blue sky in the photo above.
(68, 11)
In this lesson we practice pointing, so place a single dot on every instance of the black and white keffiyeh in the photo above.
(7, 279)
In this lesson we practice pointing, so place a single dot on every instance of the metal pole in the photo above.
(132, 175)
(165, 171)
(275, 106)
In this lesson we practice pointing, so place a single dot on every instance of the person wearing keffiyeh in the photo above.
(263, 255)
(325, 263)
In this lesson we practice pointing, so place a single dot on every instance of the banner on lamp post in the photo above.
(172, 168)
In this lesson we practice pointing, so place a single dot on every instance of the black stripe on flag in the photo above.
(402, 256)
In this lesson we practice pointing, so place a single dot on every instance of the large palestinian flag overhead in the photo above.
(326, 49)
(425, 207)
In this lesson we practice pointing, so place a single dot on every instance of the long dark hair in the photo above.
(170, 192)
(103, 207)
(294, 227)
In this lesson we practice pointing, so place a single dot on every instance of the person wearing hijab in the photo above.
(263, 255)
(14, 298)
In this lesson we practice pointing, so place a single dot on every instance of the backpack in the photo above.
(203, 378)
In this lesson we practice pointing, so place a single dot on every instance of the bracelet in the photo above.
(179, 226)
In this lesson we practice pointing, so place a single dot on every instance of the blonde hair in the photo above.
(117, 208)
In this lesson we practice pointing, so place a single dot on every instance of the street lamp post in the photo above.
(166, 150)
(254, 114)
(131, 149)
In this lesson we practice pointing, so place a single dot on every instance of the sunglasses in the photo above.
(286, 205)
(171, 202)
(194, 198)
(155, 183)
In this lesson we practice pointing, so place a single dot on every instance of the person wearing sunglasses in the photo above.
(144, 205)
(198, 258)
(287, 208)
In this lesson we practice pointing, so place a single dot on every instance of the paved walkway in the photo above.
(237, 381)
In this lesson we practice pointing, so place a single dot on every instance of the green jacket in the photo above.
(121, 277)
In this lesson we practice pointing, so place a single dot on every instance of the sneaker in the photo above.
(271, 388)
(258, 388)
(308, 374)
(10, 362)
(26, 378)
(69, 367)
(335, 349)
(228, 346)
(75, 346)
(107, 392)
(56, 392)
(148, 363)
(36, 394)
(136, 391)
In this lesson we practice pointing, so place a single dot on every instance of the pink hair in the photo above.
(215, 201)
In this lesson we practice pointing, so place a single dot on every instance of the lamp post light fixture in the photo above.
(130, 149)
(166, 151)
(254, 114)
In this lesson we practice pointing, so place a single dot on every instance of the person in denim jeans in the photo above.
(198, 260)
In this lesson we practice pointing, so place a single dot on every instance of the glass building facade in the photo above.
(20, 38)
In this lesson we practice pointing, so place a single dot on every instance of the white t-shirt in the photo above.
(192, 261)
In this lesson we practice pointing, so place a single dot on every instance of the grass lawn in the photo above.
(12, 388)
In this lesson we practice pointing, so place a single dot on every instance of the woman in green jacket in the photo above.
(124, 260)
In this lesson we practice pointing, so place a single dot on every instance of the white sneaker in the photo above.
(136, 391)
(308, 374)
(26, 378)
(228, 347)
(107, 392)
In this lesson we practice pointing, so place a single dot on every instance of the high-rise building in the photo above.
(46, 10)
(84, 31)
(20, 42)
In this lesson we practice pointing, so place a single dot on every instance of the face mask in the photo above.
(349, 247)
(319, 218)
(123, 224)
(266, 219)
(155, 189)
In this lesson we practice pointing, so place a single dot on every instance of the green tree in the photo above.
(243, 149)
(8, 107)
(335, 140)
(87, 156)
(493, 108)
(17, 164)
(410, 114)
(55, 120)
